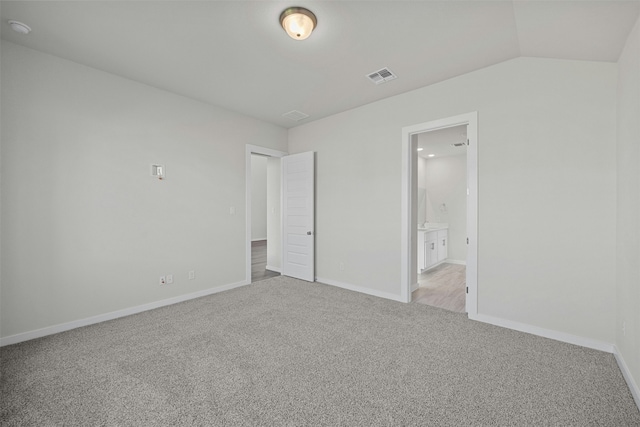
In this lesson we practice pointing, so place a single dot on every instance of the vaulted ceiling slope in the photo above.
(235, 55)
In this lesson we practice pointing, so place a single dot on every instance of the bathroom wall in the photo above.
(422, 190)
(445, 179)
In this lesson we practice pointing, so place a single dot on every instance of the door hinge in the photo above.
(467, 240)
(467, 289)
(467, 141)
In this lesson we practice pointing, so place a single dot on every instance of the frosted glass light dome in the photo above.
(298, 22)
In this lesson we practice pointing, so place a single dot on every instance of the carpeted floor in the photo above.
(286, 352)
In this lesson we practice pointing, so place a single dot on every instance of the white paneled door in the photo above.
(298, 229)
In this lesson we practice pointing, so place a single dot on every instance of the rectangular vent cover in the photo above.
(381, 76)
(295, 115)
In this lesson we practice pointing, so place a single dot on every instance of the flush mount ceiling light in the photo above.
(298, 22)
(19, 27)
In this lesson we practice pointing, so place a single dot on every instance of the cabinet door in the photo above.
(431, 250)
(422, 256)
(443, 243)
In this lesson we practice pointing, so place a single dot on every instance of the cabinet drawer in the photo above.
(431, 235)
(442, 233)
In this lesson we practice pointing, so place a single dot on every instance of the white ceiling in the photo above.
(440, 142)
(234, 53)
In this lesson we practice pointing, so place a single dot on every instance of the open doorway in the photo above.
(441, 218)
(265, 216)
(410, 206)
(263, 213)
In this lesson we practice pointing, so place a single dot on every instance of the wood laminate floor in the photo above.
(443, 287)
(259, 262)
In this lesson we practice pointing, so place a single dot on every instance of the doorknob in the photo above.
(309, 233)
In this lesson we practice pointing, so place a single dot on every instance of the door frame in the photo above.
(249, 150)
(409, 226)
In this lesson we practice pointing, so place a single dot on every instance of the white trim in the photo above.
(50, 330)
(276, 269)
(455, 261)
(414, 287)
(546, 333)
(408, 225)
(263, 239)
(356, 288)
(407, 263)
(626, 373)
(249, 149)
(431, 267)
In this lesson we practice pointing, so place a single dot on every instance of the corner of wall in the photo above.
(627, 327)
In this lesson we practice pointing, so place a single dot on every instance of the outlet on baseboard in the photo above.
(163, 280)
(169, 279)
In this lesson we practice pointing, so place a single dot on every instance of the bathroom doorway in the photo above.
(437, 231)
(441, 218)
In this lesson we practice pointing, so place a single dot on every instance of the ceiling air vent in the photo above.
(295, 115)
(381, 76)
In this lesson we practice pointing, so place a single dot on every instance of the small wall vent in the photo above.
(381, 76)
(295, 115)
(459, 144)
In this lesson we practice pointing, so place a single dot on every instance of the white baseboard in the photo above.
(547, 333)
(50, 330)
(276, 269)
(414, 286)
(444, 261)
(626, 373)
(259, 239)
(356, 288)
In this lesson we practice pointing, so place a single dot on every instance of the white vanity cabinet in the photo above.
(432, 247)
(443, 245)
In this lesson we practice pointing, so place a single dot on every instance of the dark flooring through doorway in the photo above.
(259, 262)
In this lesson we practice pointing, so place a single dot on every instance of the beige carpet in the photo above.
(288, 353)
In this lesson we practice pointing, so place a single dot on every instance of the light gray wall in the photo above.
(446, 183)
(85, 229)
(628, 204)
(274, 223)
(546, 151)
(258, 197)
(422, 190)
